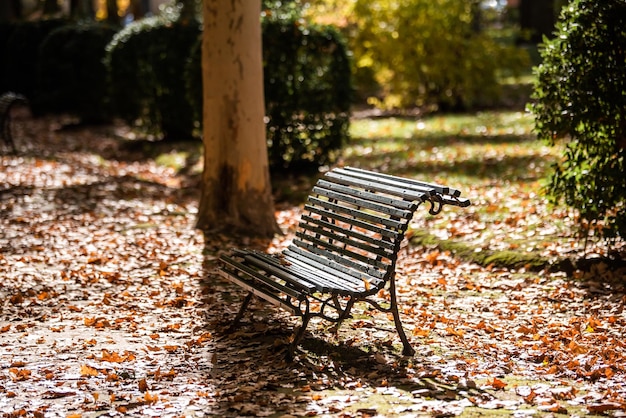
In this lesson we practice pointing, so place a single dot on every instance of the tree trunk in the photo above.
(236, 190)
(112, 12)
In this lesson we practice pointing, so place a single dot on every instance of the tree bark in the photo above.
(112, 12)
(236, 190)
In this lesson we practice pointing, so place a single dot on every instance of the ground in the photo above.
(110, 305)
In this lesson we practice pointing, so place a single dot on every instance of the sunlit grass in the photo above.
(486, 148)
(494, 158)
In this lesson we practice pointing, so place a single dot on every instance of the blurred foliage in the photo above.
(146, 61)
(424, 53)
(307, 91)
(580, 96)
(72, 76)
(21, 55)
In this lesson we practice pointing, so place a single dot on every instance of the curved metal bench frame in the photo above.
(345, 250)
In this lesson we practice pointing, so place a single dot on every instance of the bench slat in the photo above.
(445, 190)
(281, 272)
(347, 280)
(250, 287)
(353, 281)
(322, 278)
(373, 270)
(370, 175)
(342, 251)
(390, 245)
(384, 199)
(362, 203)
(358, 214)
(357, 271)
(314, 280)
(388, 233)
(373, 248)
(403, 192)
(258, 276)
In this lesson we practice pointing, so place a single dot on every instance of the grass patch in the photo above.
(506, 259)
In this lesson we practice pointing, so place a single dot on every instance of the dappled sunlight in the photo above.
(111, 303)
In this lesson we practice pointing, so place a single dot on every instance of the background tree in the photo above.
(580, 97)
(236, 190)
(112, 12)
(432, 54)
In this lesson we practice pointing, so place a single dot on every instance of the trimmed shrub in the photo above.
(22, 54)
(72, 76)
(580, 97)
(146, 62)
(307, 92)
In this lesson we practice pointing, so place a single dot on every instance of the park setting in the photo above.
(323, 208)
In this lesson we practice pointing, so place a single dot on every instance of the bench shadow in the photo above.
(255, 353)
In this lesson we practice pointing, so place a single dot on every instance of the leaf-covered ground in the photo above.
(110, 304)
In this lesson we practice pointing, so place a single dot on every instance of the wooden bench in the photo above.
(344, 251)
(7, 101)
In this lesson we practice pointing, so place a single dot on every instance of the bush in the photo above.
(428, 53)
(72, 76)
(22, 53)
(580, 96)
(307, 92)
(146, 63)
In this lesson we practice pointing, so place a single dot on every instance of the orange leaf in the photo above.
(421, 332)
(148, 398)
(88, 371)
(143, 386)
(497, 383)
(452, 331)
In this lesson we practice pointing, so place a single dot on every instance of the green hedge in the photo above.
(72, 76)
(308, 92)
(146, 62)
(580, 96)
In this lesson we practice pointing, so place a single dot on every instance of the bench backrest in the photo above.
(358, 220)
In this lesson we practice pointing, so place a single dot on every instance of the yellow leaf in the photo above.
(88, 371)
(148, 398)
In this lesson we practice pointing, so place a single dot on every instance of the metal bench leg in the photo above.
(242, 310)
(298, 336)
(407, 350)
(344, 314)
